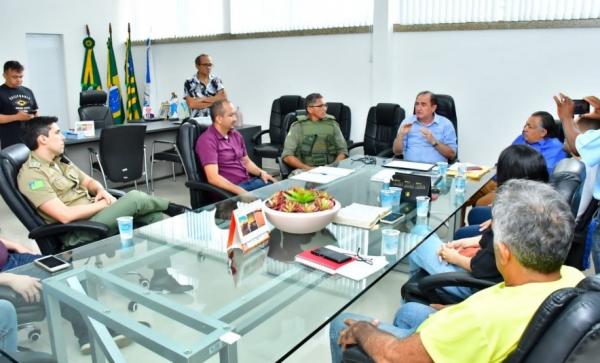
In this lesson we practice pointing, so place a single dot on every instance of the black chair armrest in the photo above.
(6, 293)
(116, 193)
(284, 169)
(446, 279)
(50, 230)
(256, 138)
(208, 188)
(355, 145)
(355, 355)
(164, 142)
(387, 153)
(93, 151)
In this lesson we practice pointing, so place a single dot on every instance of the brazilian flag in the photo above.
(115, 101)
(90, 78)
(134, 109)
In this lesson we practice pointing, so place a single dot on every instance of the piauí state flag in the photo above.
(134, 110)
(90, 78)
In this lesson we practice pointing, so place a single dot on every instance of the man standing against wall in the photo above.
(203, 89)
(17, 104)
(426, 136)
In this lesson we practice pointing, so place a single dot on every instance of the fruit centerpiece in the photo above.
(299, 210)
(300, 200)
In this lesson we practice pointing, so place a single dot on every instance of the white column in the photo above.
(381, 52)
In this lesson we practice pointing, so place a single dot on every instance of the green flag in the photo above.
(115, 101)
(134, 110)
(90, 78)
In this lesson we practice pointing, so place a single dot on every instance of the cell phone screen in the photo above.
(581, 107)
(51, 261)
(392, 217)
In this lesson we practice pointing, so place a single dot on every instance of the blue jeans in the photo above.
(467, 231)
(478, 215)
(425, 257)
(252, 183)
(8, 327)
(407, 320)
(596, 242)
(18, 259)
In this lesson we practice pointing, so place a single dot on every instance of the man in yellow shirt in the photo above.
(533, 228)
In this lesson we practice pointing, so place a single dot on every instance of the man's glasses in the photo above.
(206, 64)
(364, 259)
(324, 105)
(367, 159)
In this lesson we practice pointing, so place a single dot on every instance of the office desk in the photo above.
(271, 302)
(77, 149)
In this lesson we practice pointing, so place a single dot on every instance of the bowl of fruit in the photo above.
(299, 210)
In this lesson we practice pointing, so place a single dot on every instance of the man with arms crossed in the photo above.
(426, 136)
(533, 229)
(203, 89)
(222, 153)
(17, 104)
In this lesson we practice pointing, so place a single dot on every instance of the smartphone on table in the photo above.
(392, 218)
(52, 263)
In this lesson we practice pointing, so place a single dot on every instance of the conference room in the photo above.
(211, 272)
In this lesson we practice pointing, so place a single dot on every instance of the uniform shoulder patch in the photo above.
(36, 184)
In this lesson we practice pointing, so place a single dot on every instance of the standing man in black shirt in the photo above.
(17, 104)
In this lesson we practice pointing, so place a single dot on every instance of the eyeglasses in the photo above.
(367, 159)
(364, 259)
(206, 64)
(324, 105)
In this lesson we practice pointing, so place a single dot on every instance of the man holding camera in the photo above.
(17, 104)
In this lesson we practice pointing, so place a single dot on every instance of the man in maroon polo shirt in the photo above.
(222, 153)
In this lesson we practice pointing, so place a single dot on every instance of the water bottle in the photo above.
(461, 178)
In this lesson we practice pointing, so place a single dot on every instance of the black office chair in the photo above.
(201, 192)
(565, 328)
(122, 155)
(343, 116)
(281, 107)
(47, 236)
(382, 125)
(92, 106)
(567, 178)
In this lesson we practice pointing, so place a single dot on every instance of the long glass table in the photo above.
(259, 306)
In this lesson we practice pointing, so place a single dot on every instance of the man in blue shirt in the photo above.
(425, 136)
(587, 145)
(539, 132)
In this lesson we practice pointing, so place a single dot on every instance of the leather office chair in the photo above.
(567, 178)
(281, 107)
(201, 192)
(92, 106)
(122, 156)
(46, 235)
(382, 125)
(343, 116)
(565, 328)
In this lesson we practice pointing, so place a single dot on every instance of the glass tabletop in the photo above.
(271, 303)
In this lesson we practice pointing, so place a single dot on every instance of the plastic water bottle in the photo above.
(461, 178)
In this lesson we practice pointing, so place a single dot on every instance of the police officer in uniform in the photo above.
(62, 193)
(314, 139)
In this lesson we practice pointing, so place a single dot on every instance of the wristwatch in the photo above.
(435, 144)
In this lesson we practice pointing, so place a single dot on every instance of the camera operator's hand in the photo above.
(565, 107)
(595, 102)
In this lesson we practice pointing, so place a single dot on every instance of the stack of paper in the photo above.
(360, 215)
(322, 174)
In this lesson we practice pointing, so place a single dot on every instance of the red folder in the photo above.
(320, 263)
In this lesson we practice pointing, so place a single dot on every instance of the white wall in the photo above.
(497, 77)
(256, 71)
(66, 17)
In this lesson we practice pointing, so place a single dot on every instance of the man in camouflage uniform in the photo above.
(62, 193)
(314, 139)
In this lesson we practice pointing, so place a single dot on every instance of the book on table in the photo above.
(308, 258)
(360, 215)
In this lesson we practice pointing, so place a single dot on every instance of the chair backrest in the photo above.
(122, 152)
(281, 107)
(567, 177)
(11, 160)
(447, 109)
(383, 121)
(188, 134)
(342, 115)
(92, 106)
(566, 327)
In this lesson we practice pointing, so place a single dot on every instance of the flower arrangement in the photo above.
(300, 200)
